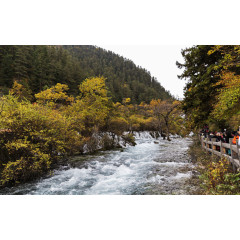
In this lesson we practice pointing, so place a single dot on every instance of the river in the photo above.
(151, 167)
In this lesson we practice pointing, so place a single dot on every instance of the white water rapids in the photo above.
(151, 167)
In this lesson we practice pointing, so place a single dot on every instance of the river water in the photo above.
(151, 167)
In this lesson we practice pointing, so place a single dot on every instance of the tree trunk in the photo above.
(163, 135)
(168, 138)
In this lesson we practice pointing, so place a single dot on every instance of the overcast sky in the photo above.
(160, 61)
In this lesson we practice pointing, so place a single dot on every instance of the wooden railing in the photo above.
(227, 150)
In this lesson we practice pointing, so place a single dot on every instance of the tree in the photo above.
(163, 110)
(201, 89)
(6, 65)
(55, 95)
(227, 104)
(21, 92)
(21, 62)
(92, 106)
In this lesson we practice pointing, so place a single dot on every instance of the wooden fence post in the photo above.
(212, 146)
(234, 169)
(230, 142)
(207, 145)
(221, 148)
(238, 149)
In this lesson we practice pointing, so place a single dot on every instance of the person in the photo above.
(227, 135)
(211, 135)
(206, 130)
(233, 133)
(236, 137)
(220, 138)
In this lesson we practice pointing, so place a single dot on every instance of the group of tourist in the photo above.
(223, 136)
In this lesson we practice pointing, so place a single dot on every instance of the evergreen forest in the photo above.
(41, 67)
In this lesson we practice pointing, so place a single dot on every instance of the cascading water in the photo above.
(151, 167)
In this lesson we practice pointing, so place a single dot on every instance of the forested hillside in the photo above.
(124, 78)
(41, 67)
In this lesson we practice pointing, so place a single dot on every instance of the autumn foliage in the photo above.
(212, 91)
(36, 135)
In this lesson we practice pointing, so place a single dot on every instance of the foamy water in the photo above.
(151, 167)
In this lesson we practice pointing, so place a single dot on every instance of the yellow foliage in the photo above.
(126, 100)
(228, 99)
(21, 92)
(56, 94)
(91, 109)
(118, 125)
(34, 136)
(92, 88)
(216, 172)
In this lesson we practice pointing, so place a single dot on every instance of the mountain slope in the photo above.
(40, 67)
(124, 78)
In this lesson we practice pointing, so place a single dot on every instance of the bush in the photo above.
(216, 171)
(107, 142)
(129, 138)
(118, 125)
(33, 137)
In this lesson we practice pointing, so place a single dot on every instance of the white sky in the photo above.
(159, 60)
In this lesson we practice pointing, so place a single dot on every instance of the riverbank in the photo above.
(19, 174)
(152, 167)
(216, 176)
